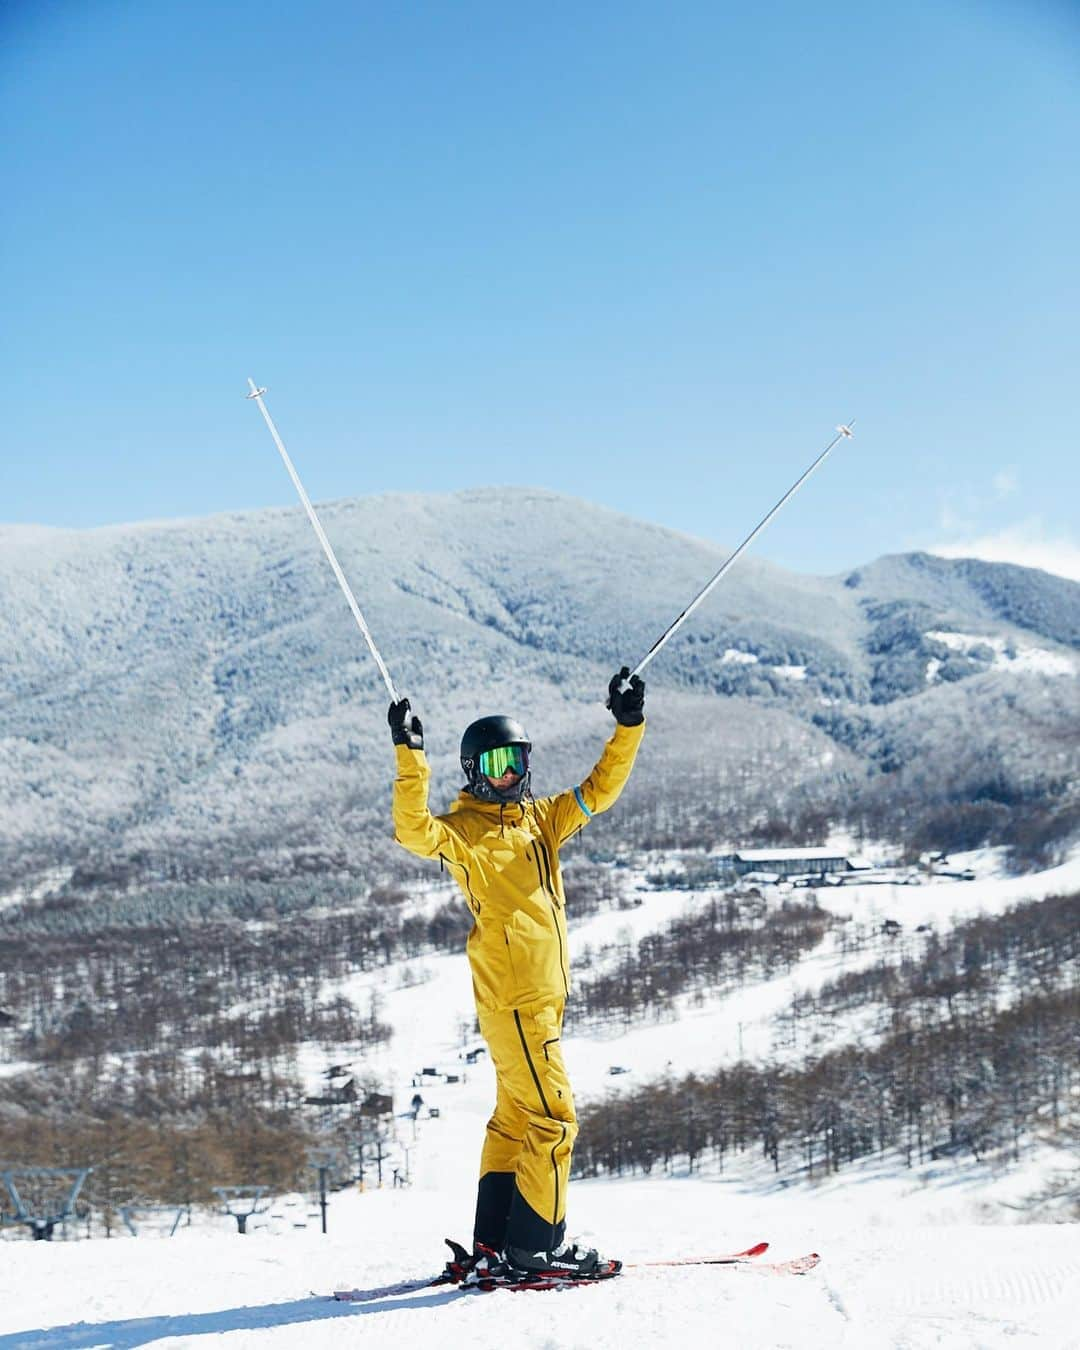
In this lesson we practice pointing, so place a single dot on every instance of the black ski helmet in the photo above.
(489, 733)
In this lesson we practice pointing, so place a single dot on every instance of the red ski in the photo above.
(733, 1258)
(745, 1259)
(800, 1265)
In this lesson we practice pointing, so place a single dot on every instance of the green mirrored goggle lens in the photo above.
(494, 763)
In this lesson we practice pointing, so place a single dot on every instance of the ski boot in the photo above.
(569, 1261)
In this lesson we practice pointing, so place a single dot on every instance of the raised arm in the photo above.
(415, 828)
(569, 811)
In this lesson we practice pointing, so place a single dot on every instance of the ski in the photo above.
(453, 1273)
(390, 1290)
(800, 1265)
(745, 1258)
(732, 1258)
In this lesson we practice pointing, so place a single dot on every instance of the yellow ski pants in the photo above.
(532, 1131)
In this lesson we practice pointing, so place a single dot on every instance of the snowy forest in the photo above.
(169, 1055)
(978, 1045)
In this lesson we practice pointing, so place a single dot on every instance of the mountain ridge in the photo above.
(195, 692)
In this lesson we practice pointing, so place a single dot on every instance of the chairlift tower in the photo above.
(42, 1197)
(242, 1202)
(133, 1215)
(322, 1160)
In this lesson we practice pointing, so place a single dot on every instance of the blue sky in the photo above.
(647, 254)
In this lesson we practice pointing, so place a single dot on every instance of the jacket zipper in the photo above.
(538, 847)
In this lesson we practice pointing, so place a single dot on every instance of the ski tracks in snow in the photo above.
(940, 1288)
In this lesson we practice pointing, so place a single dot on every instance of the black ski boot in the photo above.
(570, 1261)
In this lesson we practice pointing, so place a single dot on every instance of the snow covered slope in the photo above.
(881, 1284)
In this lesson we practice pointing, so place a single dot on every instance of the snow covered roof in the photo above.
(755, 855)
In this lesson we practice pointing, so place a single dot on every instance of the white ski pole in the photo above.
(842, 432)
(257, 395)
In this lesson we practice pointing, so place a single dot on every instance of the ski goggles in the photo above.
(494, 763)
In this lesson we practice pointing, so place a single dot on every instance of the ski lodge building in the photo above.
(791, 862)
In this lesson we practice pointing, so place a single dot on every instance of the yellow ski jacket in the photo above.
(506, 860)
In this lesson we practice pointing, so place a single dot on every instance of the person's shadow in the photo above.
(141, 1330)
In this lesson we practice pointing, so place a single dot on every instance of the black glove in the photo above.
(627, 705)
(405, 730)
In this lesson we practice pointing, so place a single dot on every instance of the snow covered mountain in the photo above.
(191, 699)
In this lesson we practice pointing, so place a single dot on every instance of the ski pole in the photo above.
(257, 395)
(843, 431)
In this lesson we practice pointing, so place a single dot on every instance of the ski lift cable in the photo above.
(257, 395)
(843, 432)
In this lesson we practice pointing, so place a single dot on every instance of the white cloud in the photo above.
(1027, 543)
(1005, 483)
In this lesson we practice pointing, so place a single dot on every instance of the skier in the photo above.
(502, 847)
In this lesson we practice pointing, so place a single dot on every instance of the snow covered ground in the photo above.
(930, 1257)
(888, 1279)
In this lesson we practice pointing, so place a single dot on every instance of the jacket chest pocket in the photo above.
(533, 953)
